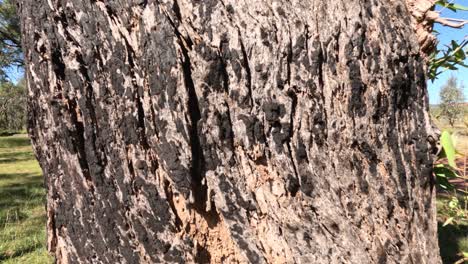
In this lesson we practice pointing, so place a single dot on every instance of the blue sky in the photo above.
(15, 73)
(446, 35)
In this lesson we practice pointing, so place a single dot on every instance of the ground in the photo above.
(453, 239)
(460, 128)
(22, 209)
(22, 204)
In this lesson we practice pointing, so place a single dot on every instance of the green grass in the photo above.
(22, 204)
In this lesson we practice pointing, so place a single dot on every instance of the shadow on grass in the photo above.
(18, 253)
(20, 194)
(22, 203)
(448, 241)
(27, 190)
(15, 141)
(10, 157)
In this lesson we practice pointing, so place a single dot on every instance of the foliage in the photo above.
(451, 5)
(12, 97)
(456, 203)
(453, 241)
(452, 56)
(453, 207)
(10, 38)
(12, 106)
(448, 148)
(451, 96)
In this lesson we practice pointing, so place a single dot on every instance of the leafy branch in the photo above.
(452, 57)
(455, 54)
(444, 174)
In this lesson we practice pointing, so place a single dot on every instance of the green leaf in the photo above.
(448, 221)
(460, 54)
(462, 64)
(444, 184)
(449, 149)
(445, 172)
(451, 6)
(460, 7)
(450, 67)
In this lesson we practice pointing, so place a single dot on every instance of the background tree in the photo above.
(12, 97)
(452, 98)
(12, 106)
(10, 38)
(225, 131)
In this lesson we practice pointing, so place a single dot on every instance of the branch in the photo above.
(446, 21)
(10, 37)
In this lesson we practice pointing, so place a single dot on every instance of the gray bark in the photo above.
(231, 131)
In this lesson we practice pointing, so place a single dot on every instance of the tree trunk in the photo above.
(231, 131)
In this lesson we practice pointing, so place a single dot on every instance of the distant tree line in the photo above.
(12, 96)
(10, 39)
(12, 106)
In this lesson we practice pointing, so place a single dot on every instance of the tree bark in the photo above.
(231, 131)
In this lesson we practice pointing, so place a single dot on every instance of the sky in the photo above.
(446, 35)
(14, 73)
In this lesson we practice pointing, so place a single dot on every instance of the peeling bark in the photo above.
(231, 131)
(423, 14)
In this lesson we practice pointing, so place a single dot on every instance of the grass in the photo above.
(453, 238)
(22, 204)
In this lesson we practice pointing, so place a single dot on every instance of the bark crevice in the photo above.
(245, 62)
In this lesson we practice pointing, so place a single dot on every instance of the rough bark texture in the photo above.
(231, 131)
(423, 14)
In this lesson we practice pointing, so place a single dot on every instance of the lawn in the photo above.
(22, 204)
(22, 209)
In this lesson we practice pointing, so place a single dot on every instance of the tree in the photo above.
(12, 106)
(12, 97)
(451, 96)
(232, 131)
(10, 38)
